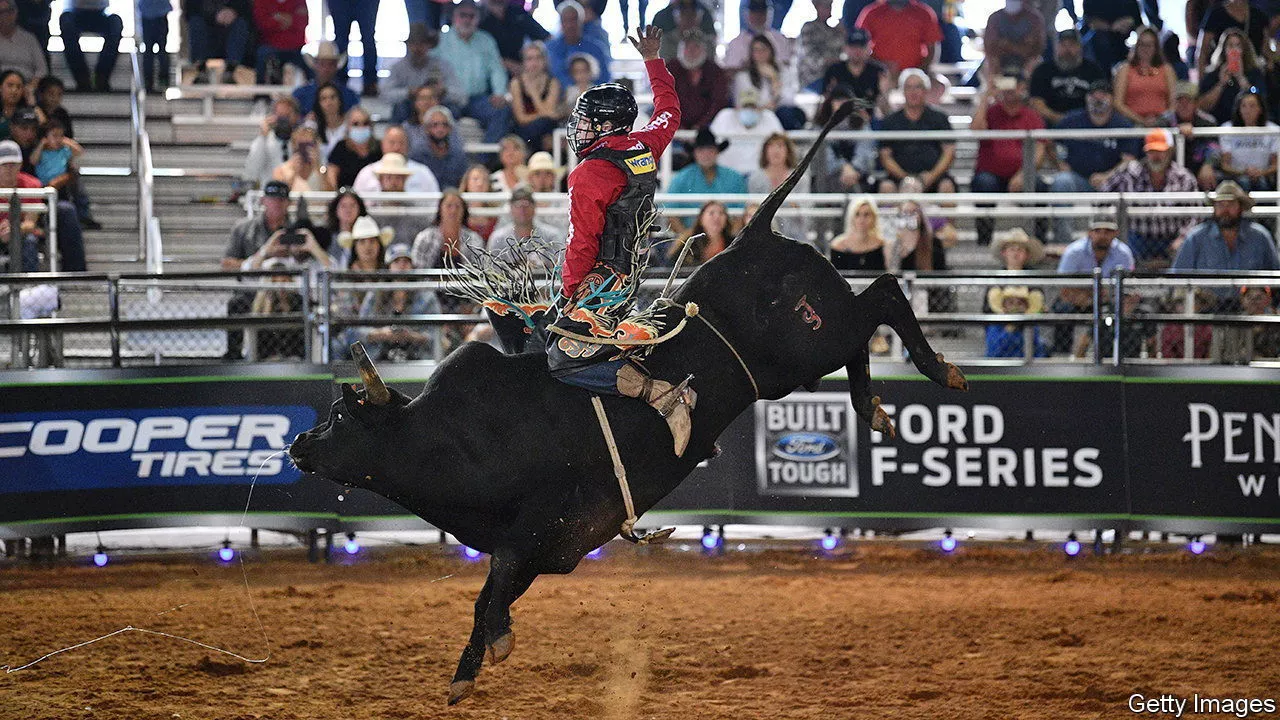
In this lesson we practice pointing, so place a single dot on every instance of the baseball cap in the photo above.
(858, 36)
(10, 152)
(1104, 222)
(276, 189)
(25, 116)
(397, 251)
(1158, 139)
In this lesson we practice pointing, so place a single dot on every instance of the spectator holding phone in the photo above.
(1233, 68)
(304, 170)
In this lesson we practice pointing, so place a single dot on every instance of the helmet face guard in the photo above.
(583, 132)
(608, 103)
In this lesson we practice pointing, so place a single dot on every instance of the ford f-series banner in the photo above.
(1090, 448)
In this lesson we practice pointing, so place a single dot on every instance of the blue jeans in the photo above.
(70, 239)
(213, 40)
(600, 378)
(75, 23)
(780, 10)
(155, 34)
(496, 121)
(266, 52)
(1067, 182)
(423, 11)
(365, 14)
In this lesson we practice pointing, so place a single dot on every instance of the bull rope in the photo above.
(754, 387)
(690, 310)
(619, 470)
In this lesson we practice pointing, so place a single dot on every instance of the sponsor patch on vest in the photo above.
(642, 164)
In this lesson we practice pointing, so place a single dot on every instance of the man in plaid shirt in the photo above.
(1151, 235)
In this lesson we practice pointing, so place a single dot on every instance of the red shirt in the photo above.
(596, 184)
(270, 30)
(901, 38)
(1003, 158)
(25, 182)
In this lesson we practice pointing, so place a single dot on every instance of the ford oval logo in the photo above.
(806, 447)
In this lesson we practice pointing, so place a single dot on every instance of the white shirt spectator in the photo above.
(1251, 151)
(421, 179)
(743, 153)
(21, 51)
(266, 152)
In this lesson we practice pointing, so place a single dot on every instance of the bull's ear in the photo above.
(350, 397)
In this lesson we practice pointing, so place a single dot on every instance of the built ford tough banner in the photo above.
(1089, 448)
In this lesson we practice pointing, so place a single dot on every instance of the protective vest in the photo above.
(622, 220)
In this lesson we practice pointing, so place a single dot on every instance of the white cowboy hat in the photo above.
(366, 227)
(392, 164)
(1018, 236)
(325, 51)
(542, 160)
(1033, 298)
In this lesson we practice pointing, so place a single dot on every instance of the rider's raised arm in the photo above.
(662, 127)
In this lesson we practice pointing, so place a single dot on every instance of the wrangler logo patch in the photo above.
(642, 164)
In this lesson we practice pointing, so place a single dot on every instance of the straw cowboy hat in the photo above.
(1018, 236)
(392, 164)
(542, 160)
(325, 51)
(366, 227)
(997, 296)
(1231, 190)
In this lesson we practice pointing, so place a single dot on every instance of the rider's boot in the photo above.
(673, 402)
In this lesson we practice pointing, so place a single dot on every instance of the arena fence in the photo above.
(98, 320)
(1096, 447)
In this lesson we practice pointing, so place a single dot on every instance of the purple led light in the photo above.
(100, 559)
(1072, 548)
(947, 544)
(596, 553)
(352, 547)
(1197, 547)
(226, 554)
(709, 541)
(830, 542)
(471, 553)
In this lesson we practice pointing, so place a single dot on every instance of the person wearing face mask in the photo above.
(1014, 36)
(748, 124)
(701, 84)
(357, 150)
(1088, 162)
(1060, 86)
(1150, 236)
(271, 146)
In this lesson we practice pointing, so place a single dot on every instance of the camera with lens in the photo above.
(293, 234)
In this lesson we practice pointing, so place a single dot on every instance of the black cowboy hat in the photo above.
(705, 138)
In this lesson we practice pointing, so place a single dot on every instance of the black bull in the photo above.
(512, 462)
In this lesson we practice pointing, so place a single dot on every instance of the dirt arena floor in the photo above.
(883, 631)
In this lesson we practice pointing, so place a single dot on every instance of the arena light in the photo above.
(1072, 548)
(470, 553)
(352, 547)
(948, 543)
(711, 541)
(1197, 547)
(829, 540)
(100, 557)
(226, 553)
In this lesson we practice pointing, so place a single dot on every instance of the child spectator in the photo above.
(54, 156)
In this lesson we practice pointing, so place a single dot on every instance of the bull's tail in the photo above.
(764, 216)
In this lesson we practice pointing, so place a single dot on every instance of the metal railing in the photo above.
(113, 320)
(150, 245)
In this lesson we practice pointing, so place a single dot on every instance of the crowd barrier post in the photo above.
(113, 303)
(326, 304)
(308, 324)
(1117, 312)
(1097, 316)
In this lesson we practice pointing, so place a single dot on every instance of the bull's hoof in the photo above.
(955, 377)
(460, 690)
(881, 423)
(499, 649)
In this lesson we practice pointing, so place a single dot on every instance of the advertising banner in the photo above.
(1204, 450)
(1008, 447)
(116, 445)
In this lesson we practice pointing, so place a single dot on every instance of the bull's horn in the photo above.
(374, 388)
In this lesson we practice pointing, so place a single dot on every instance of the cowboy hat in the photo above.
(366, 227)
(997, 296)
(542, 160)
(1018, 236)
(706, 138)
(392, 164)
(325, 51)
(1231, 190)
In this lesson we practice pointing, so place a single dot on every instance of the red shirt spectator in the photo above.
(701, 84)
(281, 23)
(1003, 158)
(905, 34)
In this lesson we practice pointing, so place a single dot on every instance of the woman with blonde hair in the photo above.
(711, 233)
(513, 154)
(1145, 84)
(862, 244)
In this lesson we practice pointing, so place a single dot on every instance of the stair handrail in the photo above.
(150, 247)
